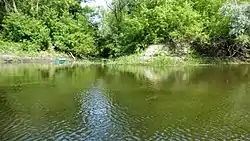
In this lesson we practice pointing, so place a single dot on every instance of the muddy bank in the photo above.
(19, 59)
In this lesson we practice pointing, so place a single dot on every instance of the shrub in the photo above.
(23, 28)
(73, 36)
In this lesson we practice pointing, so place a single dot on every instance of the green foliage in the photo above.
(2, 13)
(240, 19)
(73, 36)
(243, 39)
(202, 25)
(205, 27)
(43, 24)
(158, 22)
(23, 28)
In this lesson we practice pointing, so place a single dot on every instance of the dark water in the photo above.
(46, 102)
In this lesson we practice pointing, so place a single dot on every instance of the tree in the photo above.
(40, 24)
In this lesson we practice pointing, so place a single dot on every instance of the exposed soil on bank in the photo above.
(24, 59)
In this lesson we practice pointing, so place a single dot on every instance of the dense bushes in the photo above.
(28, 30)
(42, 24)
(200, 25)
(74, 36)
(239, 29)
(207, 27)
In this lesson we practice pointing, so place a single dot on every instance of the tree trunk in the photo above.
(14, 6)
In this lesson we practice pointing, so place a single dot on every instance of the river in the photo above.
(116, 103)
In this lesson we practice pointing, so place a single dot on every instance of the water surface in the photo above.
(47, 102)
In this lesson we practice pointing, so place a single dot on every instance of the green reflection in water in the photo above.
(124, 102)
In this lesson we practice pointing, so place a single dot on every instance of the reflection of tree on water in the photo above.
(106, 103)
(39, 103)
(202, 90)
(208, 99)
(183, 76)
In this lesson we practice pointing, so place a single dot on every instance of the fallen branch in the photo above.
(72, 56)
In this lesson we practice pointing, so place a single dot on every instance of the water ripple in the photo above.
(95, 115)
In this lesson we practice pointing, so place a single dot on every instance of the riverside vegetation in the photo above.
(200, 29)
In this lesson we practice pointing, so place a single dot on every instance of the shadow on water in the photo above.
(49, 102)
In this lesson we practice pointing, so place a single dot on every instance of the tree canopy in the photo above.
(207, 27)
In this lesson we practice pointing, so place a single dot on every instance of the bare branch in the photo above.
(109, 6)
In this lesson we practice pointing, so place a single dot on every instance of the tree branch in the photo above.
(14, 6)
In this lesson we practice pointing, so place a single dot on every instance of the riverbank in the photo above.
(186, 60)
(43, 57)
(11, 53)
(162, 61)
(10, 58)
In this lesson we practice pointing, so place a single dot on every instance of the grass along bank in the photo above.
(12, 52)
(160, 61)
(173, 61)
